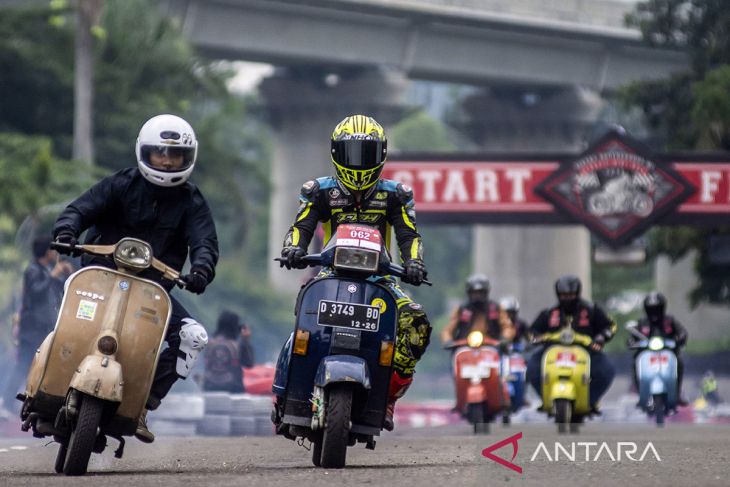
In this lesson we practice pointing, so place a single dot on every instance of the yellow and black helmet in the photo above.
(359, 148)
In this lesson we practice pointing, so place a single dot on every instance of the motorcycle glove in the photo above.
(598, 342)
(195, 282)
(293, 257)
(415, 271)
(69, 239)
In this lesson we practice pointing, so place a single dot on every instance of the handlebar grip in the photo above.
(61, 245)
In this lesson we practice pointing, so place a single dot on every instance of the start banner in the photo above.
(617, 188)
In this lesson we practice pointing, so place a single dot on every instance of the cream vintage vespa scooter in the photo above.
(92, 374)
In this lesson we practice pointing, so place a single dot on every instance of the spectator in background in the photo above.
(709, 389)
(228, 351)
(42, 293)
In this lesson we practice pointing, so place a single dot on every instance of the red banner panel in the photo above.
(474, 186)
(712, 181)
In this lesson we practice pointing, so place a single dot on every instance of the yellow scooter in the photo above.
(92, 374)
(566, 372)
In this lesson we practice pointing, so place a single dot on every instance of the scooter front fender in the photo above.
(342, 368)
(563, 390)
(476, 394)
(99, 376)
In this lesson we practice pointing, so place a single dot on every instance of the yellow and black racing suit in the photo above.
(386, 205)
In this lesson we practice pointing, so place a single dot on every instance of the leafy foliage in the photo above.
(144, 66)
(691, 111)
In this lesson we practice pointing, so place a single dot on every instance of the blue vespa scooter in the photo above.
(332, 375)
(656, 370)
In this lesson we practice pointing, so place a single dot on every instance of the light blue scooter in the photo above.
(656, 370)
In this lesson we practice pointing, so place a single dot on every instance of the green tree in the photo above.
(143, 66)
(690, 110)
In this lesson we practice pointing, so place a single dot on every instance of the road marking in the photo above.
(18, 447)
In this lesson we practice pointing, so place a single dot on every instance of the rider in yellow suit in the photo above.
(356, 194)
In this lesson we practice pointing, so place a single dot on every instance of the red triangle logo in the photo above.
(487, 452)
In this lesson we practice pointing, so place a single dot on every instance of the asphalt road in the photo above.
(692, 455)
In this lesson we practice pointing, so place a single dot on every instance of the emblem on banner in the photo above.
(616, 188)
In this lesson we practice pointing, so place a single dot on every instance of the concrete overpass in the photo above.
(460, 41)
(572, 50)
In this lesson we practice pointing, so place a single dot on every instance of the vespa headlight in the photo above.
(133, 253)
(567, 337)
(656, 343)
(475, 339)
(353, 259)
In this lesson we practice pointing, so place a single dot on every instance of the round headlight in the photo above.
(567, 337)
(656, 343)
(475, 339)
(133, 253)
(107, 345)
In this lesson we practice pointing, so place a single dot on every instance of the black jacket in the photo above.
(668, 327)
(42, 295)
(589, 320)
(172, 220)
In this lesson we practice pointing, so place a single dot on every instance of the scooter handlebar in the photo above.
(399, 271)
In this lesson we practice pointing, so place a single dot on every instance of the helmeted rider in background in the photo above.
(511, 306)
(357, 195)
(478, 313)
(587, 319)
(658, 323)
(156, 203)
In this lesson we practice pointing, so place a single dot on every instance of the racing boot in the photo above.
(398, 387)
(143, 434)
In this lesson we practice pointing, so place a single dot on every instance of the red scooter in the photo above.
(481, 392)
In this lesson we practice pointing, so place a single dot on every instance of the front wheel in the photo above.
(83, 436)
(477, 417)
(563, 414)
(659, 407)
(337, 427)
(317, 450)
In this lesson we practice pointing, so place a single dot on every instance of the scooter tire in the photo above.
(659, 409)
(476, 416)
(317, 450)
(337, 427)
(563, 414)
(83, 436)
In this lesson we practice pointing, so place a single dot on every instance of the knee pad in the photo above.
(193, 339)
(414, 329)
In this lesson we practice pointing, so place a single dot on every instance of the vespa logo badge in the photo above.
(352, 289)
(89, 294)
(616, 188)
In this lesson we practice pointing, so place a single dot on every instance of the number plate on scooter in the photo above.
(348, 315)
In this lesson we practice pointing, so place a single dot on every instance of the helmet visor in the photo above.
(358, 154)
(167, 158)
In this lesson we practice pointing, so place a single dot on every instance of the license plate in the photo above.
(348, 315)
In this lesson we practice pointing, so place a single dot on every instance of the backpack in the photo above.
(222, 366)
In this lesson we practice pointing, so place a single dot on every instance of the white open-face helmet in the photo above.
(167, 134)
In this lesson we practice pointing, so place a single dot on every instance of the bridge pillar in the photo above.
(675, 281)
(305, 104)
(524, 260)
